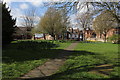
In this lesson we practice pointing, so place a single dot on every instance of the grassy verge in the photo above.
(84, 59)
(20, 57)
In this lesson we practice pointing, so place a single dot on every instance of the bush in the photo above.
(114, 38)
(66, 41)
(34, 45)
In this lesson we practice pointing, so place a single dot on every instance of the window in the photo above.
(93, 35)
(117, 32)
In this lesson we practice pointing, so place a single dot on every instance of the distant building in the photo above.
(92, 35)
(70, 34)
(74, 34)
(22, 33)
(39, 36)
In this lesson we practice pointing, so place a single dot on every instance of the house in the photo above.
(74, 34)
(70, 34)
(39, 36)
(22, 33)
(92, 35)
(43, 36)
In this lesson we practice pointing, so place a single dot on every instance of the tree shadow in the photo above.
(33, 50)
(49, 78)
(85, 68)
(59, 76)
(60, 54)
(32, 45)
(17, 53)
(28, 55)
(26, 50)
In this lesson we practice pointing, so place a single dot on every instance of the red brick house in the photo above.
(76, 34)
(22, 33)
(92, 35)
(71, 34)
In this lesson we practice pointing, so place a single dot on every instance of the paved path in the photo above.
(51, 66)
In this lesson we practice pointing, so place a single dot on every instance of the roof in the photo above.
(22, 30)
(117, 28)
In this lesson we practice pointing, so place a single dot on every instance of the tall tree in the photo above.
(51, 22)
(8, 25)
(104, 22)
(65, 21)
(84, 21)
(29, 20)
(76, 6)
(112, 6)
(97, 7)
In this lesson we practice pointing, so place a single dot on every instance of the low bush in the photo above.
(66, 41)
(34, 45)
(114, 38)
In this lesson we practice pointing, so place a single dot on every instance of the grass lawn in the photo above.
(20, 58)
(84, 59)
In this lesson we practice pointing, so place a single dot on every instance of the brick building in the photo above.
(22, 33)
(92, 35)
(71, 34)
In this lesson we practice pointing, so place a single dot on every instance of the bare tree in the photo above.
(65, 21)
(104, 22)
(112, 6)
(84, 21)
(75, 6)
(29, 20)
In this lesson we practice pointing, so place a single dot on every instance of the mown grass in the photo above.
(21, 56)
(84, 59)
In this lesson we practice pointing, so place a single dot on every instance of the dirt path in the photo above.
(51, 66)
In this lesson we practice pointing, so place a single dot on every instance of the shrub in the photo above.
(114, 38)
(66, 41)
(34, 45)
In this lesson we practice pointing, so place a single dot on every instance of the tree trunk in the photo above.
(84, 35)
(67, 35)
(33, 37)
(79, 36)
(53, 37)
(105, 40)
(63, 36)
(57, 37)
(44, 36)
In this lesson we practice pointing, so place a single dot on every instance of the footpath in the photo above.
(51, 66)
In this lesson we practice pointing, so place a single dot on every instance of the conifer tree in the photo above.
(8, 25)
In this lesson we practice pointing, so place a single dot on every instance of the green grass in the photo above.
(20, 58)
(85, 57)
